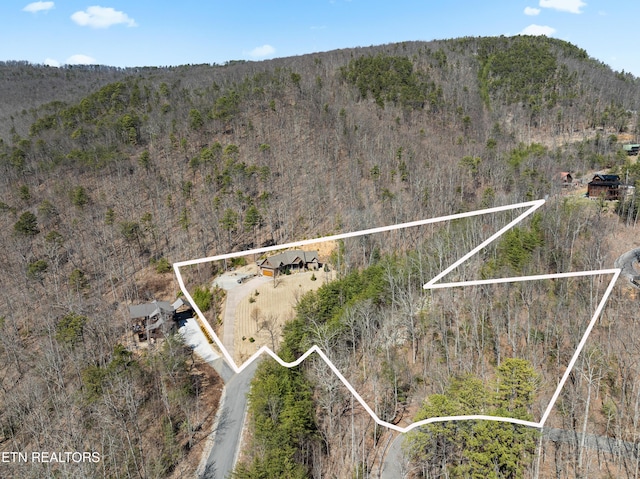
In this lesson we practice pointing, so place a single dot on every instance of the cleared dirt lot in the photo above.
(261, 316)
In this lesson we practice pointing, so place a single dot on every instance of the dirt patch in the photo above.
(324, 250)
(624, 238)
(152, 285)
(261, 316)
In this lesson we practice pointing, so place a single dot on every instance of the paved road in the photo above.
(195, 338)
(626, 263)
(228, 429)
(395, 464)
(218, 462)
(592, 441)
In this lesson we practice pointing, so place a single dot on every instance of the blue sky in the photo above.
(159, 33)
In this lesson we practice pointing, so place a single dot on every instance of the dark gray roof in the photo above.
(289, 257)
(150, 309)
(606, 178)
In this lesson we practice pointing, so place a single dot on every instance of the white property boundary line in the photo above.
(532, 207)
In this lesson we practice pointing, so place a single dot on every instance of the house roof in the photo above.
(178, 303)
(149, 310)
(606, 179)
(289, 257)
(157, 324)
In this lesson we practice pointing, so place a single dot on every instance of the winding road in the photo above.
(220, 458)
(626, 263)
(395, 465)
(227, 434)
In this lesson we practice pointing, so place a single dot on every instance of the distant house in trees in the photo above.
(607, 187)
(293, 261)
(156, 318)
(631, 148)
(566, 179)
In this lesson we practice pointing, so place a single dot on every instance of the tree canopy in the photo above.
(478, 449)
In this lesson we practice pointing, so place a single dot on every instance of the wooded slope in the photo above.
(106, 174)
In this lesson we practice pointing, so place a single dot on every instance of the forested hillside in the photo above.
(109, 175)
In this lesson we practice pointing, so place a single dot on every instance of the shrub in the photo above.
(36, 269)
(79, 197)
(27, 224)
(24, 193)
(240, 261)
(70, 328)
(162, 266)
(203, 297)
(78, 280)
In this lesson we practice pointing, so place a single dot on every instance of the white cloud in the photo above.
(36, 7)
(571, 6)
(50, 62)
(262, 52)
(534, 29)
(102, 17)
(531, 11)
(80, 59)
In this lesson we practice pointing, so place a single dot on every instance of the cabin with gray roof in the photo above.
(155, 318)
(292, 261)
